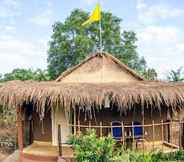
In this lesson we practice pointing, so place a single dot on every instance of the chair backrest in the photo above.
(137, 129)
(117, 130)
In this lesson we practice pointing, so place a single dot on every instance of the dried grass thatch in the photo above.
(52, 94)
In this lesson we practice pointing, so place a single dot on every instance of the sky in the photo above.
(26, 28)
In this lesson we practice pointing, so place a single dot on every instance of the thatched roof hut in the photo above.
(96, 79)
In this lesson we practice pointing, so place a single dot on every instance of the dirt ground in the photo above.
(14, 157)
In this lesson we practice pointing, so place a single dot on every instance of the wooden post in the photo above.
(123, 133)
(59, 141)
(180, 134)
(111, 130)
(143, 127)
(171, 134)
(90, 124)
(162, 125)
(133, 140)
(101, 131)
(74, 122)
(153, 133)
(79, 127)
(20, 129)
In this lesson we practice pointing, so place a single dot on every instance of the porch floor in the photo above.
(47, 149)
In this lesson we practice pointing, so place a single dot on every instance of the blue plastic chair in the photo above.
(137, 129)
(117, 131)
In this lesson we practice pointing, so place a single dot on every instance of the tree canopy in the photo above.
(70, 42)
(176, 75)
(25, 74)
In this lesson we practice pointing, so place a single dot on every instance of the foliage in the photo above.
(26, 74)
(70, 42)
(8, 142)
(149, 74)
(176, 75)
(89, 148)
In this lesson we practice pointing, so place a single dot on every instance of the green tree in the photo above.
(26, 74)
(176, 75)
(70, 42)
(149, 74)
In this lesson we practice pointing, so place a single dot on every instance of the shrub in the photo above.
(89, 148)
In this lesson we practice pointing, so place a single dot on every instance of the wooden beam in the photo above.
(20, 129)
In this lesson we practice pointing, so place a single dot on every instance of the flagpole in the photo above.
(100, 29)
(100, 39)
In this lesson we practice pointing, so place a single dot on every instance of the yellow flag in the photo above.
(95, 16)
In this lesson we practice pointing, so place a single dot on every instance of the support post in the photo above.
(123, 133)
(74, 122)
(101, 131)
(180, 134)
(90, 124)
(20, 129)
(111, 130)
(133, 138)
(59, 141)
(162, 124)
(153, 133)
(79, 127)
(143, 127)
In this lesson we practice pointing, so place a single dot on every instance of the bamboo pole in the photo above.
(143, 127)
(123, 133)
(90, 124)
(171, 134)
(133, 140)
(79, 127)
(180, 134)
(101, 131)
(111, 130)
(153, 133)
(74, 121)
(162, 134)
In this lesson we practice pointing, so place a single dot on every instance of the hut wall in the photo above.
(107, 116)
(42, 130)
(59, 116)
(93, 72)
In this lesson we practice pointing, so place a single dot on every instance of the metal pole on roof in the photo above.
(100, 30)
(100, 41)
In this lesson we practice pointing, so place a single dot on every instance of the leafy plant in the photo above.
(89, 148)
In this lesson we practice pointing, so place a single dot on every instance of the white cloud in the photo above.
(162, 47)
(153, 13)
(10, 8)
(43, 19)
(44, 15)
(16, 53)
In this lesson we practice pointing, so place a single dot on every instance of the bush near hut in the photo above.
(89, 148)
(8, 142)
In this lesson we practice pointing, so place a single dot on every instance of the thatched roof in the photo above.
(99, 68)
(77, 86)
(52, 94)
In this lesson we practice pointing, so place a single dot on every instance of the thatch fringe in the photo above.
(54, 94)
